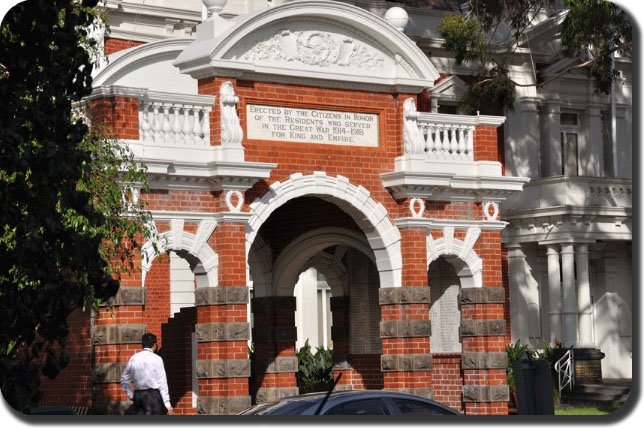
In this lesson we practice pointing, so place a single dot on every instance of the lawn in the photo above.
(568, 410)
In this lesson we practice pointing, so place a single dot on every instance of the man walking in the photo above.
(145, 370)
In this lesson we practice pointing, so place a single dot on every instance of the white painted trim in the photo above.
(289, 265)
(176, 240)
(372, 217)
(439, 223)
(126, 61)
(471, 277)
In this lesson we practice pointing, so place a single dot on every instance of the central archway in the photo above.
(370, 216)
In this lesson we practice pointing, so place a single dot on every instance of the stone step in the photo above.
(601, 389)
(609, 393)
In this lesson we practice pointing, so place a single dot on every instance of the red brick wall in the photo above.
(366, 373)
(361, 165)
(157, 297)
(486, 144)
(114, 45)
(447, 378)
(73, 385)
(119, 115)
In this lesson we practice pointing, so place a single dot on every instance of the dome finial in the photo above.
(397, 17)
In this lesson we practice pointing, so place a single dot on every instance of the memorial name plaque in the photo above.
(445, 317)
(300, 125)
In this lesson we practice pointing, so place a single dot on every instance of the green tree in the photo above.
(490, 30)
(66, 215)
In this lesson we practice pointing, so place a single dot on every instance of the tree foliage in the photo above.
(64, 210)
(490, 30)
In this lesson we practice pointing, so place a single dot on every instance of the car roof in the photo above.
(307, 403)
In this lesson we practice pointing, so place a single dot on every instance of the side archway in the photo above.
(460, 254)
(177, 239)
(382, 237)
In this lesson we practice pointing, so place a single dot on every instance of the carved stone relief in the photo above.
(316, 48)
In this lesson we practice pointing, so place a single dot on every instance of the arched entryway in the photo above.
(308, 234)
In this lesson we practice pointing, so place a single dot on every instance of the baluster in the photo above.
(206, 127)
(461, 143)
(144, 122)
(176, 125)
(186, 129)
(157, 125)
(454, 143)
(434, 141)
(427, 136)
(438, 142)
(445, 146)
(167, 127)
(196, 127)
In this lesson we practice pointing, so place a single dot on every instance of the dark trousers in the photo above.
(147, 402)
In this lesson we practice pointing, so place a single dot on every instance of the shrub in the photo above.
(315, 371)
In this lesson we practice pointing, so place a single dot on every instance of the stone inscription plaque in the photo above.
(300, 125)
(446, 318)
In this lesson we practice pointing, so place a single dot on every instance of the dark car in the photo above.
(352, 403)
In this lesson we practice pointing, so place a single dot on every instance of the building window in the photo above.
(569, 139)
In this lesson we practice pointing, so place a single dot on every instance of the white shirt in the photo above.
(145, 369)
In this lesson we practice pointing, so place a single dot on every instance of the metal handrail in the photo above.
(565, 370)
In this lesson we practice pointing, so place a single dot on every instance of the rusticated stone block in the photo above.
(119, 334)
(215, 369)
(485, 393)
(406, 362)
(271, 394)
(216, 332)
(483, 328)
(339, 303)
(343, 388)
(276, 365)
(222, 405)
(404, 295)
(273, 305)
(471, 296)
(222, 295)
(108, 372)
(405, 328)
(484, 360)
(127, 296)
(277, 334)
(340, 362)
(421, 392)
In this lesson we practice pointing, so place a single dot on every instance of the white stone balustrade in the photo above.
(444, 140)
(438, 160)
(173, 119)
(442, 137)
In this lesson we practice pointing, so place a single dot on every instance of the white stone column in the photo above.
(554, 293)
(569, 293)
(592, 152)
(523, 140)
(583, 297)
(518, 306)
(553, 162)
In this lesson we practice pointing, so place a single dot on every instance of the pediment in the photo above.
(314, 42)
(452, 88)
(308, 45)
(134, 66)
